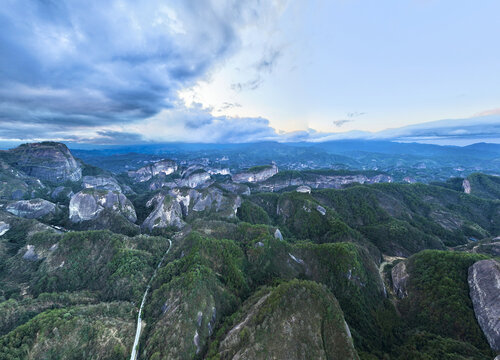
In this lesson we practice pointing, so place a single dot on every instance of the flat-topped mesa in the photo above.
(47, 161)
(256, 174)
(321, 179)
(145, 173)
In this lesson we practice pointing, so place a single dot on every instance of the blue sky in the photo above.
(233, 71)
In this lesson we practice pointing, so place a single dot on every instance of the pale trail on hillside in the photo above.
(133, 355)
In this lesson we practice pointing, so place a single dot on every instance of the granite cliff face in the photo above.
(484, 285)
(174, 207)
(89, 203)
(31, 209)
(400, 280)
(46, 161)
(194, 179)
(101, 183)
(165, 167)
(167, 212)
(256, 174)
(318, 180)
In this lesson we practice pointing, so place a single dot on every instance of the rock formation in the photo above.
(47, 161)
(31, 209)
(165, 167)
(167, 212)
(89, 203)
(484, 285)
(466, 186)
(256, 174)
(101, 183)
(400, 280)
(319, 180)
(4, 227)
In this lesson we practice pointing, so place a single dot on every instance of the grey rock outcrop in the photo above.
(46, 161)
(31, 209)
(304, 189)
(4, 227)
(101, 183)
(316, 180)
(167, 212)
(173, 207)
(196, 179)
(321, 210)
(277, 235)
(256, 174)
(89, 203)
(400, 280)
(466, 186)
(30, 253)
(165, 167)
(484, 285)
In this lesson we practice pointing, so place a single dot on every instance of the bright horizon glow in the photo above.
(243, 71)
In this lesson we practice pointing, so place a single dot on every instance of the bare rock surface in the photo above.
(165, 167)
(31, 209)
(484, 285)
(466, 186)
(256, 174)
(4, 227)
(89, 203)
(101, 182)
(167, 212)
(400, 280)
(48, 161)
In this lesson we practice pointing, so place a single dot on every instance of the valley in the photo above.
(339, 250)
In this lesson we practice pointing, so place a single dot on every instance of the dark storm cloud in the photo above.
(98, 63)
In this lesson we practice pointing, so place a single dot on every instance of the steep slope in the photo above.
(285, 312)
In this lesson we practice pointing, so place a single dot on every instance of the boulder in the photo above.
(400, 280)
(48, 161)
(31, 209)
(484, 285)
(89, 203)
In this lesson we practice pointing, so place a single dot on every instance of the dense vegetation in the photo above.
(250, 275)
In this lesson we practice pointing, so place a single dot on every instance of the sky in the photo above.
(125, 71)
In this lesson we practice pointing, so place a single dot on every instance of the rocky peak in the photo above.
(49, 161)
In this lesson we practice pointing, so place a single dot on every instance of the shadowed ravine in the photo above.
(133, 355)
